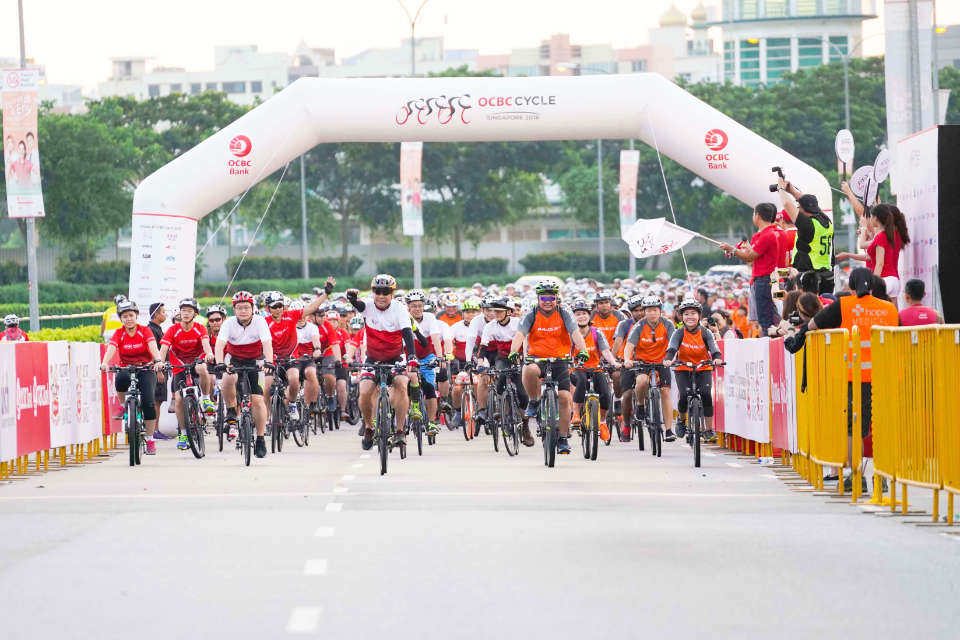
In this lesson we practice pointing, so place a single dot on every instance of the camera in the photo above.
(794, 319)
(712, 321)
(777, 170)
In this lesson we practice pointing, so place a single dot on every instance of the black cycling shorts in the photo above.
(704, 386)
(600, 385)
(663, 371)
(147, 381)
(561, 373)
(341, 373)
(253, 377)
(369, 373)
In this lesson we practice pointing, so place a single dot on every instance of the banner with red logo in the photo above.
(629, 165)
(33, 398)
(62, 395)
(411, 206)
(162, 256)
(111, 399)
(87, 382)
(21, 154)
(8, 401)
(779, 396)
(746, 389)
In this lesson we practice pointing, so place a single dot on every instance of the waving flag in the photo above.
(654, 237)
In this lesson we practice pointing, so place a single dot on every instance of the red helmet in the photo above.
(243, 296)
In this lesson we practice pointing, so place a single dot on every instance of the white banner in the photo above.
(8, 401)
(62, 395)
(844, 146)
(656, 236)
(918, 199)
(21, 154)
(162, 257)
(747, 388)
(629, 165)
(411, 205)
(85, 375)
(860, 181)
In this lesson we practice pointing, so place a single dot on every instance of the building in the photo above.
(429, 56)
(763, 39)
(242, 72)
(66, 98)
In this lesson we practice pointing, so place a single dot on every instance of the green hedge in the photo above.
(56, 308)
(290, 268)
(76, 334)
(91, 272)
(11, 272)
(442, 267)
(56, 291)
(577, 261)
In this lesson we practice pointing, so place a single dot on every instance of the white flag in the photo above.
(654, 237)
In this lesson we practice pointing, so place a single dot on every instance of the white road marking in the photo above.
(734, 465)
(340, 489)
(952, 536)
(334, 507)
(174, 496)
(315, 567)
(323, 532)
(709, 455)
(770, 475)
(364, 456)
(304, 620)
(348, 478)
(359, 465)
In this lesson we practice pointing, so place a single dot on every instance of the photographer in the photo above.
(814, 247)
(762, 253)
(807, 306)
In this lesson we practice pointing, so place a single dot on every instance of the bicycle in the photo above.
(133, 424)
(468, 405)
(329, 420)
(244, 410)
(189, 389)
(219, 418)
(418, 425)
(385, 428)
(654, 419)
(493, 409)
(510, 416)
(590, 417)
(548, 419)
(695, 408)
(353, 397)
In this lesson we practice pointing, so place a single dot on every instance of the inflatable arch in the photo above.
(168, 203)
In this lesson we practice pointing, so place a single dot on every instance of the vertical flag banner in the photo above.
(411, 206)
(21, 155)
(629, 164)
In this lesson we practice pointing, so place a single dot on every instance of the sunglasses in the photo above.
(548, 298)
(277, 306)
(214, 319)
(382, 292)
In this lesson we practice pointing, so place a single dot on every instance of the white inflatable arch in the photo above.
(168, 203)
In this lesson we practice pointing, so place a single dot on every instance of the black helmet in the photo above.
(189, 302)
(499, 303)
(689, 303)
(127, 305)
(635, 302)
(581, 305)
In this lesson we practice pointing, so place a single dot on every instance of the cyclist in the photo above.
(12, 331)
(550, 332)
(389, 335)
(185, 342)
(443, 373)
(473, 340)
(136, 346)
(283, 330)
(216, 314)
(624, 383)
(461, 336)
(693, 343)
(451, 310)
(334, 346)
(248, 339)
(605, 318)
(495, 348)
(429, 348)
(647, 345)
(356, 345)
(307, 351)
(597, 346)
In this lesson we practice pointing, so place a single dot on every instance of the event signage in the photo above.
(656, 236)
(746, 385)
(411, 204)
(8, 401)
(85, 370)
(844, 147)
(62, 394)
(21, 153)
(881, 166)
(860, 181)
(33, 398)
(629, 165)
(165, 260)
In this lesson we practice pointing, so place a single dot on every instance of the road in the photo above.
(461, 543)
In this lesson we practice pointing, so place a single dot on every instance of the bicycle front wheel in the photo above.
(191, 414)
(133, 430)
(694, 420)
(383, 429)
(551, 413)
(493, 418)
(508, 420)
(467, 414)
(591, 431)
(246, 437)
(221, 426)
(417, 426)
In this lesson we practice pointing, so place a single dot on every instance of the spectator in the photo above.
(789, 309)
(762, 253)
(814, 247)
(724, 325)
(916, 313)
(883, 253)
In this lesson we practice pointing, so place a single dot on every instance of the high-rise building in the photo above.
(763, 39)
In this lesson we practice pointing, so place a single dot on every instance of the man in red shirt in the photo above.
(762, 253)
(916, 313)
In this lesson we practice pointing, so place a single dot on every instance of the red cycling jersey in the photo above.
(284, 333)
(185, 345)
(133, 349)
(335, 336)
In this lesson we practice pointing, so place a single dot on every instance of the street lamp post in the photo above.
(33, 284)
(303, 219)
(417, 248)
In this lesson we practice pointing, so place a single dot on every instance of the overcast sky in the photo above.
(75, 39)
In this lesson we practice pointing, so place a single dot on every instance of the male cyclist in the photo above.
(597, 346)
(186, 342)
(389, 336)
(12, 331)
(307, 352)
(451, 310)
(429, 347)
(495, 348)
(462, 335)
(693, 343)
(551, 332)
(624, 383)
(335, 345)
(216, 314)
(248, 339)
(476, 331)
(647, 345)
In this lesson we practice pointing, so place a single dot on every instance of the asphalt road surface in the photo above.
(461, 543)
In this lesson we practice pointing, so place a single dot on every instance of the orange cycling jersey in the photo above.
(548, 337)
(592, 348)
(607, 326)
(448, 319)
(692, 347)
(651, 344)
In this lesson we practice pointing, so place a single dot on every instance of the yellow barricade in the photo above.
(946, 411)
(822, 408)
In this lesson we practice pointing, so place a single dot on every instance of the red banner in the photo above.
(33, 398)
(111, 401)
(778, 395)
(718, 414)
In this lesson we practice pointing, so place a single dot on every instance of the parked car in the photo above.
(728, 271)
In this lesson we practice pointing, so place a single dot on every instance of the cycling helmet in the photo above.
(217, 308)
(450, 300)
(487, 302)
(580, 305)
(356, 322)
(689, 303)
(306, 298)
(416, 295)
(471, 304)
(296, 305)
(11, 320)
(429, 306)
(119, 298)
(501, 304)
(651, 301)
(635, 302)
(547, 286)
(604, 294)
(127, 305)
(242, 296)
(383, 281)
(273, 299)
(189, 302)
(343, 309)
(287, 301)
